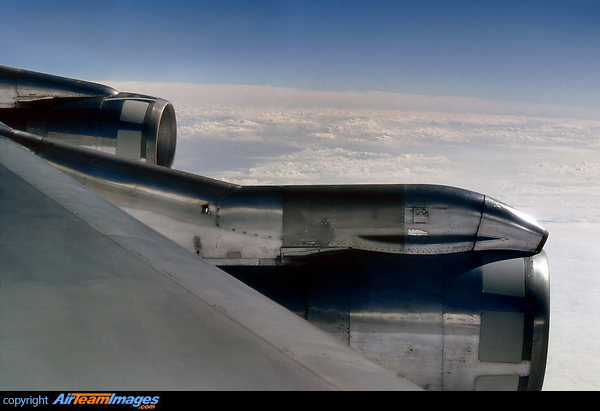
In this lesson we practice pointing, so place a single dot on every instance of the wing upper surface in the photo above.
(90, 298)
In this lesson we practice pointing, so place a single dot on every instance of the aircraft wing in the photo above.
(92, 299)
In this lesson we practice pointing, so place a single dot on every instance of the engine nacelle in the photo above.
(91, 115)
(127, 125)
(465, 321)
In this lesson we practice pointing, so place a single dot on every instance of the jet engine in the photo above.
(91, 115)
(447, 287)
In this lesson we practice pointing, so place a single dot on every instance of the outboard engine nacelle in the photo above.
(127, 125)
(91, 115)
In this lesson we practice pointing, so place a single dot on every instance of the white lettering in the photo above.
(22, 401)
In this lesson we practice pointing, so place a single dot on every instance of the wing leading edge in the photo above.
(90, 298)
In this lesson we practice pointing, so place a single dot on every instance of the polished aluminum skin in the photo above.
(446, 287)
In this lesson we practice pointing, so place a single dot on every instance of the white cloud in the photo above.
(337, 166)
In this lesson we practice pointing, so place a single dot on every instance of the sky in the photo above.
(499, 97)
(542, 52)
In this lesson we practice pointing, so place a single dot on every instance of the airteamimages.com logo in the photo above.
(139, 401)
(142, 402)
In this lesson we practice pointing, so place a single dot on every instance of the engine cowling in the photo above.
(465, 321)
(91, 115)
(127, 125)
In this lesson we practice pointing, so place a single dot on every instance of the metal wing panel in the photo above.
(92, 299)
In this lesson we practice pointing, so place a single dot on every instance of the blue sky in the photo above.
(543, 52)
